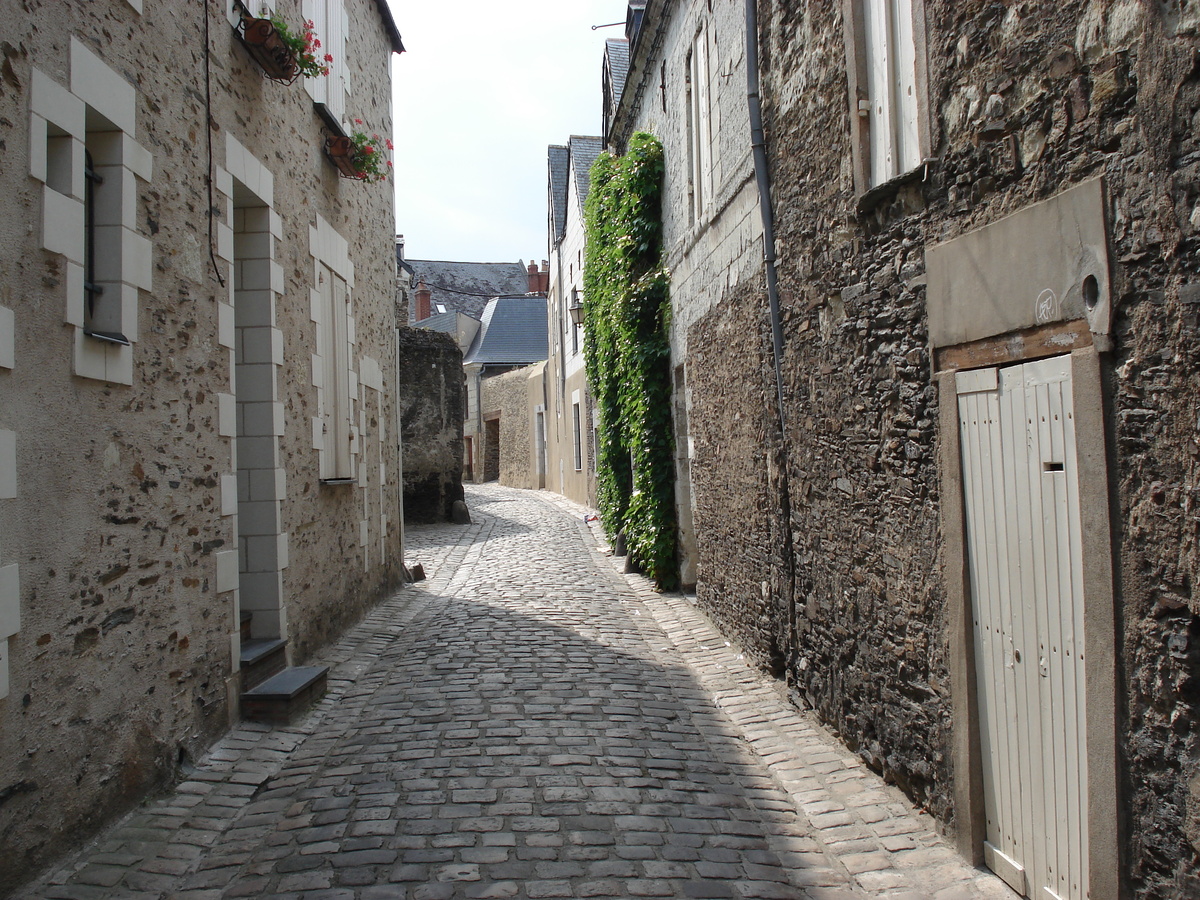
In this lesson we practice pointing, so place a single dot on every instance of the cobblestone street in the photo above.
(528, 722)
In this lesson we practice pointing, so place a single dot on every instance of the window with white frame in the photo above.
(335, 435)
(83, 150)
(698, 80)
(578, 434)
(334, 350)
(885, 77)
(331, 25)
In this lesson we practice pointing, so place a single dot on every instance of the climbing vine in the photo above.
(628, 354)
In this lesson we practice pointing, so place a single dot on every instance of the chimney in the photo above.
(544, 277)
(535, 278)
(422, 295)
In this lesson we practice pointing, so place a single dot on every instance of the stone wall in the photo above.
(1023, 101)
(511, 395)
(1026, 101)
(432, 391)
(133, 479)
(734, 504)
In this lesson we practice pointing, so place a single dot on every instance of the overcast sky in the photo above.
(482, 89)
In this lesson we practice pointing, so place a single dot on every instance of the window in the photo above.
(578, 437)
(886, 72)
(334, 350)
(102, 312)
(331, 25)
(335, 435)
(82, 150)
(698, 80)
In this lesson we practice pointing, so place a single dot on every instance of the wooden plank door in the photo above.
(1025, 554)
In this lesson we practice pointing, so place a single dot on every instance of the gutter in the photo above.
(758, 144)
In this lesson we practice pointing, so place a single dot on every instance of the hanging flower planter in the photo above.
(340, 151)
(358, 156)
(268, 49)
(283, 56)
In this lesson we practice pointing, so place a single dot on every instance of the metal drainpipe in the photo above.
(762, 177)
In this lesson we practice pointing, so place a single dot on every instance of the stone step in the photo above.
(261, 658)
(282, 697)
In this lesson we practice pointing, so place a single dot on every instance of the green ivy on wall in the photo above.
(628, 355)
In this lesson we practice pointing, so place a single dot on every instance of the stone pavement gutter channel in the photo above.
(528, 722)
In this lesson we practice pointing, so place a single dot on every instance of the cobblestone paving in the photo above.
(527, 723)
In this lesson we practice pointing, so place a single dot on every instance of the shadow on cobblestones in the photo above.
(501, 755)
(523, 724)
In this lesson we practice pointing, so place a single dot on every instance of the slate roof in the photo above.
(513, 333)
(389, 25)
(466, 286)
(616, 50)
(584, 151)
(558, 159)
(446, 322)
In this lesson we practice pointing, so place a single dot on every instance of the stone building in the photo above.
(512, 334)
(565, 424)
(519, 456)
(198, 433)
(685, 84)
(432, 398)
(971, 544)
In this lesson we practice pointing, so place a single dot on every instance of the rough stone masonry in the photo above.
(1025, 100)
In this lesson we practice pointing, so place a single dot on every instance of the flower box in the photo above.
(276, 58)
(340, 151)
(358, 156)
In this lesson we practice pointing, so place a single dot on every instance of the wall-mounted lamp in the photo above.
(576, 307)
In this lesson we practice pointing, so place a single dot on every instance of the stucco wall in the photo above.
(120, 531)
(565, 374)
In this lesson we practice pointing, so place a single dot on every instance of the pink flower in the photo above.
(328, 57)
(389, 164)
(390, 146)
(358, 121)
(316, 42)
(367, 148)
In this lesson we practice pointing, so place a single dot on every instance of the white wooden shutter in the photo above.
(314, 11)
(704, 123)
(336, 25)
(904, 87)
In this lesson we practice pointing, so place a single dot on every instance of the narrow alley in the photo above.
(528, 722)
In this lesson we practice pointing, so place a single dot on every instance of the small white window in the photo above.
(335, 355)
(699, 122)
(335, 435)
(83, 150)
(331, 24)
(884, 84)
(578, 433)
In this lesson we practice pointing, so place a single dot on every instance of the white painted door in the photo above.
(1024, 542)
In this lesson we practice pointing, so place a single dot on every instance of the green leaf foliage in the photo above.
(628, 354)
